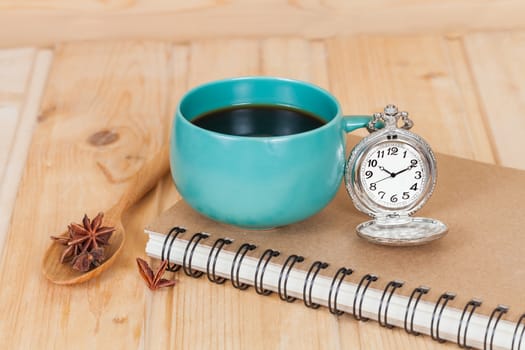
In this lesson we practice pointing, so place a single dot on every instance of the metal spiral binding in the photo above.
(442, 301)
(317, 265)
(339, 276)
(258, 281)
(236, 265)
(420, 291)
(282, 284)
(522, 318)
(473, 304)
(186, 261)
(336, 283)
(369, 278)
(500, 310)
(215, 250)
(172, 235)
(392, 286)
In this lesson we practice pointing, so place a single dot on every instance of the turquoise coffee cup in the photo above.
(259, 182)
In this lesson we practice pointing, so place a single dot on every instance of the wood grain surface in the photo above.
(46, 22)
(453, 90)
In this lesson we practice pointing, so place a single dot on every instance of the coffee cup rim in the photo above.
(319, 89)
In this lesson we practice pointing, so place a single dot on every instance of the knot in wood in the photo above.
(103, 138)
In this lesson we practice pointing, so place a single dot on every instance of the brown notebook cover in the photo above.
(482, 256)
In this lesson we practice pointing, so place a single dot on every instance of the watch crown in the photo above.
(391, 110)
(389, 117)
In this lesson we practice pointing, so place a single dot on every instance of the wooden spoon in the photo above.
(139, 184)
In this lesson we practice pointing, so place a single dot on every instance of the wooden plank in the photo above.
(21, 139)
(479, 133)
(425, 75)
(496, 61)
(120, 88)
(157, 329)
(18, 94)
(226, 54)
(198, 19)
(15, 67)
(295, 58)
(9, 112)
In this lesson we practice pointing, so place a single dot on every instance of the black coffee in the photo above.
(258, 121)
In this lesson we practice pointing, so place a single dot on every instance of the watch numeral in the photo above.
(406, 195)
(393, 199)
(413, 162)
(368, 174)
(382, 194)
(392, 151)
(405, 154)
(418, 175)
(372, 163)
(372, 187)
(414, 187)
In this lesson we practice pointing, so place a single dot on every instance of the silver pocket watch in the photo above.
(390, 175)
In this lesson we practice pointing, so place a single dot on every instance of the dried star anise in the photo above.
(84, 260)
(154, 280)
(85, 243)
(71, 251)
(90, 234)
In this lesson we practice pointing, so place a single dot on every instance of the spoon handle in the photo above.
(144, 179)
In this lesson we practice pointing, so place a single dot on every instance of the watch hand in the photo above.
(402, 171)
(388, 172)
(388, 177)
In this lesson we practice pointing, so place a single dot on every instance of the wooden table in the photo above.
(464, 91)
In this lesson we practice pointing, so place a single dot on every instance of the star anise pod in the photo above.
(88, 259)
(72, 250)
(154, 281)
(85, 243)
(90, 234)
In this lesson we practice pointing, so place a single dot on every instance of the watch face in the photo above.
(393, 174)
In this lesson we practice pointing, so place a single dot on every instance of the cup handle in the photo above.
(353, 122)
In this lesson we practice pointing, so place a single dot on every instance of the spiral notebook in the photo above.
(468, 287)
